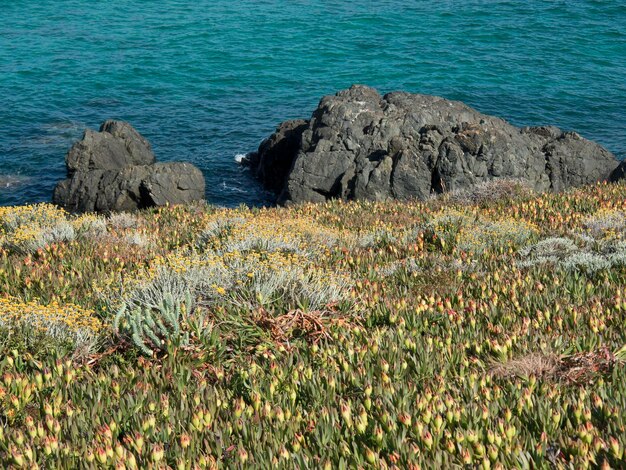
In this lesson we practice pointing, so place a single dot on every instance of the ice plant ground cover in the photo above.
(461, 331)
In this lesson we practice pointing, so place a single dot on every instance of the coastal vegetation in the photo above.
(465, 330)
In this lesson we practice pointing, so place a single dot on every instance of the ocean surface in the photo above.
(207, 80)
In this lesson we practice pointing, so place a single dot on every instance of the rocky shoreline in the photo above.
(356, 145)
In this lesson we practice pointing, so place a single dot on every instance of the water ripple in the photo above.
(207, 80)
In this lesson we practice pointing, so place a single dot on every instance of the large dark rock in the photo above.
(359, 145)
(115, 170)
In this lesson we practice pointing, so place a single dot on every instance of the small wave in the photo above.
(233, 189)
(103, 102)
(11, 181)
(58, 133)
(62, 127)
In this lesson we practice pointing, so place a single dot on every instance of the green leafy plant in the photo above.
(153, 328)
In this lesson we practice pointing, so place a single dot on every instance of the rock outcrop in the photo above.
(115, 170)
(361, 145)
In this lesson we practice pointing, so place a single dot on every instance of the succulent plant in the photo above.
(154, 328)
(396, 334)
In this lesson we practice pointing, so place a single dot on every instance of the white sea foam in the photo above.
(241, 157)
(11, 181)
(234, 189)
(59, 133)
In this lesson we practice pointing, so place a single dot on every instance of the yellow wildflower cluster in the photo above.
(265, 231)
(40, 215)
(248, 256)
(25, 234)
(27, 228)
(44, 317)
(473, 232)
(220, 273)
(87, 222)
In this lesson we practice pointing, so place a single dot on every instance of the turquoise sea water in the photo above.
(205, 80)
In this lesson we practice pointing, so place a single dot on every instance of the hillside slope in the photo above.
(480, 328)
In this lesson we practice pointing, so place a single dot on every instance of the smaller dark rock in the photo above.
(115, 170)
(116, 145)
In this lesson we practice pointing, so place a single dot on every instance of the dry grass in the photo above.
(297, 323)
(579, 369)
(537, 364)
(490, 191)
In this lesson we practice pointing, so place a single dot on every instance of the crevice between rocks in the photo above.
(437, 185)
(548, 165)
(325, 194)
(395, 159)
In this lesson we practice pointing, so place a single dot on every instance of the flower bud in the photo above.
(378, 434)
(427, 439)
(17, 457)
(157, 453)
(405, 419)
(243, 455)
(616, 448)
(101, 455)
